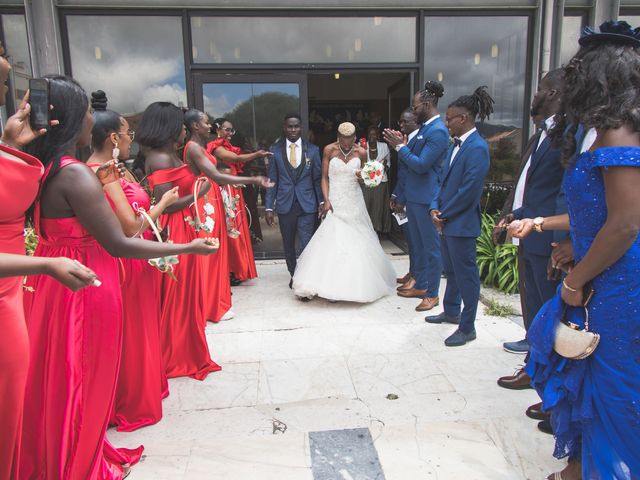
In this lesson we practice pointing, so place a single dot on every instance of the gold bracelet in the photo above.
(564, 284)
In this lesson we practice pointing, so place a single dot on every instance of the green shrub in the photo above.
(497, 309)
(498, 265)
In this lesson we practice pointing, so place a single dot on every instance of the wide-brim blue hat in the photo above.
(611, 31)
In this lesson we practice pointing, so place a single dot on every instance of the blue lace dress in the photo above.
(595, 402)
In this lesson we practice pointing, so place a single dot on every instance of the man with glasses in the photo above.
(423, 158)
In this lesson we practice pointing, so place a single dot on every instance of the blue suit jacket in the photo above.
(302, 183)
(541, 195)
(398, 192)
(458, 198)
(424, 162)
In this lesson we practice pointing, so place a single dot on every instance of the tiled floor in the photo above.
(290, 368)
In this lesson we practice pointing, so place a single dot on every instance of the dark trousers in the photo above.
(537, 288)
(410, 247)
(427, 262)
(463, 279)
(295, 222)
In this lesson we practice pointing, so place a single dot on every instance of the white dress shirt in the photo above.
(298, 145)
(462, 140)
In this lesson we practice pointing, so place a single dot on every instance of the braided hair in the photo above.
(478, 104)
(432, 92)
(602, 91)
(106, 121)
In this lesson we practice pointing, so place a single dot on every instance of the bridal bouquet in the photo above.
(372, 173)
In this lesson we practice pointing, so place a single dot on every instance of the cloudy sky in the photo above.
(136, 60)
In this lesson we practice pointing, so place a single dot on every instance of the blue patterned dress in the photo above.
(595, 402)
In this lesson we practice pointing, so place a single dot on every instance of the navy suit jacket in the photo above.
(541, 195)
(302, 183)
(398, 192)
(458, 198)
(424, 162)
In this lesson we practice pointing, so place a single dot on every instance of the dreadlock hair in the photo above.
(602, 91)
(70, 104)
(106, 121)
(478, 104)
(432, 92)
(191, 116)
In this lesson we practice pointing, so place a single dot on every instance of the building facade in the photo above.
(332, 60)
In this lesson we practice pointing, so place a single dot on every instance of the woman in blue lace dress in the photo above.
(595, 402)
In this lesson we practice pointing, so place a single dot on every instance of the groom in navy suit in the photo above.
(423, 157)
(296, 170)
(455, 212)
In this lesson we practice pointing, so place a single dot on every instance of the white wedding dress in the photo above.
(344, 259)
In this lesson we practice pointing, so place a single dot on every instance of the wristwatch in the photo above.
(537, 224)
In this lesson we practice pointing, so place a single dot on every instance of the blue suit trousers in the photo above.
(424, 248)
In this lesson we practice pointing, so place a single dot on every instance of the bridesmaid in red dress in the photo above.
(142, 381)
(75, 338)
(241, 261)
(20, 180)
(182, 320)
(217, 283)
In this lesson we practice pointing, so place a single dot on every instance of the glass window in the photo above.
(571, 27)
(467, 52)
(17, 48)
(303, 39)
(136, 60)
(633, 20)
(252, 107)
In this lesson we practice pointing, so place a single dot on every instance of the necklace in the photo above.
(345, 154)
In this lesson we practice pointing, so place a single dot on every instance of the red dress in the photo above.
(18, 189)
(75, 341)
(241, 261)
(184, 346)
(217, 286)
(142, 381)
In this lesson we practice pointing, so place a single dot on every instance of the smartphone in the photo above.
(39, 101)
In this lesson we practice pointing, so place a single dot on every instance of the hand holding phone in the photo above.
(39, 101)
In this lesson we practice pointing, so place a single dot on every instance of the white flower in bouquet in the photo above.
(372, 173)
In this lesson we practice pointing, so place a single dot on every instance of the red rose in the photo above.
(372, 175)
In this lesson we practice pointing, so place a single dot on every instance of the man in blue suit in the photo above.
(296, 170)
(423, 159)
(456, 213)
(408, 126)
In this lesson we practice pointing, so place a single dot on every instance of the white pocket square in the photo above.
(420, 137)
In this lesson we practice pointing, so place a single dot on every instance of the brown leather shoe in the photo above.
(412, 293)
(408, 285)
(404, 279)
(428, 304)
(536, 412)
(518, 381)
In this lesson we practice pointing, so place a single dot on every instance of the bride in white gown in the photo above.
(344, 259)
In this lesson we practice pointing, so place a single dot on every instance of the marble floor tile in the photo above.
(275, 457)
(157, 467)
(294, 380)
(402, 374)
(237, 347)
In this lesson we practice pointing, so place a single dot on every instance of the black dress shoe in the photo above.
(291, 283)
(518, 381)
(459, 338)
(442, 318)
(545, 427)
(536, 412)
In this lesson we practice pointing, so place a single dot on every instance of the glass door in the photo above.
(256, 105)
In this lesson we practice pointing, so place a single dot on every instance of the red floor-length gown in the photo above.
(142, 381)
(241, 261)
(217, 287)
(184, 346)
(75, 341)
(18, 188)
